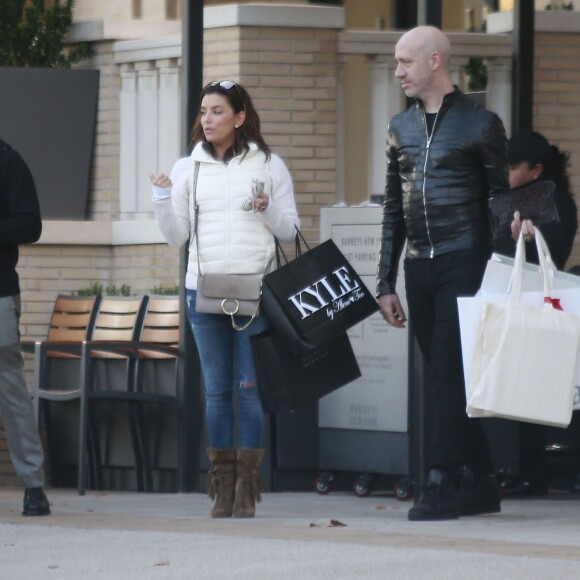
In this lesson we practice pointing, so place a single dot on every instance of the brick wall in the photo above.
(291, 77)
(46, 271)
(557, 102)
(104, 197)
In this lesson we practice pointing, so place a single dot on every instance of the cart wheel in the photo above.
(403, 490)
(362, 487)
(323, 483)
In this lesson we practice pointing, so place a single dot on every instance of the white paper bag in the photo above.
(519, 355)
(500, 268)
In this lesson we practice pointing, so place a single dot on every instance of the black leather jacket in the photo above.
(437, 188)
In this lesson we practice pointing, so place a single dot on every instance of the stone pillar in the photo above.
(128, 144)
(340, 131)
(499, 89)
(385, 101)
(150, 129)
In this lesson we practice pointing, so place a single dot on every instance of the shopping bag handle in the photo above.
(299, 237)
(546, 267)
(280, 254)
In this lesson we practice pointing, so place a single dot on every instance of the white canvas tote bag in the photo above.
(524, 362)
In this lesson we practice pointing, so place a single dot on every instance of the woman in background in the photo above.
(532, 158)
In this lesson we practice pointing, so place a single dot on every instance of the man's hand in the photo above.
(392, 310)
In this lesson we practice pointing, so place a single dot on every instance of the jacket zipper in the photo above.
(429, 138)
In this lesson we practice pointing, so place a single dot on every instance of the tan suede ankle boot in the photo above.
(221, 481)
(248, 482)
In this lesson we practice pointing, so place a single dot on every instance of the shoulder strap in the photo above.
(195, 208)
(194, 205)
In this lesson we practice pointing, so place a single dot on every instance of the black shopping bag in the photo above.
(317, 296)
(290, 379)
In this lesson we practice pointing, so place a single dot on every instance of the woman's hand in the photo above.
(525, 226)
(260, 202)
(160, 180)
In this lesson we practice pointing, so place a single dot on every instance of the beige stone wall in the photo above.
(557, 102)
(104, 187)
(111, 9)
(46, 271)
(291, 76)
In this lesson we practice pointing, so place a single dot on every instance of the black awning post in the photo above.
(523, 66)
(429, 12)
(189, 382)
(403, 14)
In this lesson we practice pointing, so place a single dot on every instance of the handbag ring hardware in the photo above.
(230, 312)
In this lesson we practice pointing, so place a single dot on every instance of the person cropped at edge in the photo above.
(445, 156)
(231, 238)
(532, 158)
(20, 223)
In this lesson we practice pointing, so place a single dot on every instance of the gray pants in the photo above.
(15, 404)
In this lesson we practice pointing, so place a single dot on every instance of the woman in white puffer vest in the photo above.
(235, 227)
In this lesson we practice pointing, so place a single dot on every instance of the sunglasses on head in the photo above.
(227, 85)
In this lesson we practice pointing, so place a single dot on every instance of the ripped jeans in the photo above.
(226, 360)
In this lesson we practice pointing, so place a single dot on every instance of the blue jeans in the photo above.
(226, 361)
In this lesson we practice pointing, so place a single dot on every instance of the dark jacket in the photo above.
(437, 190)
(558, 235)
(19, 215)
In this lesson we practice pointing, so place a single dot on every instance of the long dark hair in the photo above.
(556, 168)
(249, 130)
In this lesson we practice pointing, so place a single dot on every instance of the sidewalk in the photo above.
(110, 535)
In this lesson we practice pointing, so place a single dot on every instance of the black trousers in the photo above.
(533, 461)
(433, 286)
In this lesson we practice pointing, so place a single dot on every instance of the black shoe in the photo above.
(521, 487)
(438, 499)
(35, 502)
(478, 495)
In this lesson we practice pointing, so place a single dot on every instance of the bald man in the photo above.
(445, 157)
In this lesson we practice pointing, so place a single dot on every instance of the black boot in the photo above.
(35, 502)
(478, 494)
(437, 501)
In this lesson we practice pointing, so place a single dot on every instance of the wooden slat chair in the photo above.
(144, 392)
(156, 377)
(56, 359)
(116, 325)
(116, 328)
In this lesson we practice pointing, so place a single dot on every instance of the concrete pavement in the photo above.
(125, 535)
